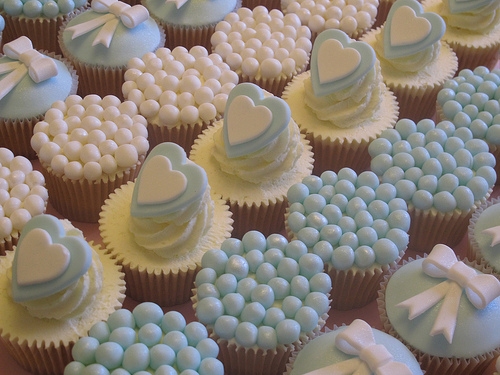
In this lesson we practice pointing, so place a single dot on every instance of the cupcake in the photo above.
(269, 4)
(471, 100)
(54, 287)
(442, 173)
(146, 341)
(38, 20)
(355, 224)
(2, 26)
(22, 196)
(384, 6)
(252, 157)
(180, 92)
(159, 227)
(190, 23)
(352, 17)
(100, 41)
(264, 47)
(415, 61)
(445, 310)
(472, 30)
(87, 148)
(260, 298)
(343, 347)
(47, 80)
(342, 103)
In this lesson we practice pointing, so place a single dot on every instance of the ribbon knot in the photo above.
(442, 262)
(358, 340)
(116, 11)
(38, 66)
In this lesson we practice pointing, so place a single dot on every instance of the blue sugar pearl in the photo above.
(445, 95)
(313, 183)
(451, 108)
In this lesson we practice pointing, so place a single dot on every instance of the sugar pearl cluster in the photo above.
(179, 86)
(146, 341)
(88, 137)
(350, 16)
(434, 166)
(41, 8)
(22, 192)
(261, 42)
(259, 291)
(472, 100)
(349, 220)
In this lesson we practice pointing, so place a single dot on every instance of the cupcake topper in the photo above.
(178, 3)
(338, 62)
(116, 11)
(461, 6)
(494, 232)
(46, 260)
(167, 182)
(442, 263)
(38, 66)
(409, 30)
(358, 340)
(251, 121)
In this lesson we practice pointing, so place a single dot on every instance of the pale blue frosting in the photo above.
(37, 8)
(125, 44)
(486, 218)
(475, 331)
(2, 23)
(30, 99)
(193, 13)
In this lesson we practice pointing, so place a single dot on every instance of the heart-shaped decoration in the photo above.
(167, 182)
(252, 121)
(460, 6)
(338, 62)
(409, 30)
(46, 260)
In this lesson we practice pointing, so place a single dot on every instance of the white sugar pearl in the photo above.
(159, 75)
(73, 170)
(164, 53)
(170, 83)
(203, 95)
(126, 156)
(281, 54)
(348, 25)
(128, 108)
(189, 114)
(72, 100)
(111, 112)
(247, 53)
(318, 9)
(339, 3)
(288, 66)
(263, 35)
(349, 10)
(110, 101)
(356, 3)
(34, 178)
(248, 34)
(90, 123)
(303, 32)
(48, 151)
(79, 135)
(15, 178)
(316, 23)
(212, 71)
(191, 72)
(136, 63)
(41, 127)
(198, 52)
(187, 60)
(304, 15)
(363, 19)
(108, 147)
(253, 43)
(271, 43)
(202, 63)
(58, 164)
(309, 4)
(92, 171)
(89, 153)
(169, 115)
(4, 172)
(244, 12)
(288, 44)
(11, 205)
(290, 6)
(53, 114)
(4, 195)
(19, 218)
(223, 26)
(300, 56)
(333, 12)
(264, 53)
(168, 97)
(141, 144)
(5, 227)
(207, 112)
(91, 99)
(263, 18)
(60, 105)
(238, 27)
(276, 24)
(370, 9)
(270, 68)
(20, 191)
(250, 67)
(94, 110)
(34, 204)
(109, 128)
(218, 37)
(234, 60)
(178, 51)
(144, 81)
(4, 185)
(332, 23)
(189, 84)
(96, 137)
(175, 68)
(185, 99)
(226, 88)
(229, 76)
(292, 19)
(108, 164)
(148, 56)
(223, 49)
(72, 150)
(21, 163)
(149, 108)
(124, 121)
(304, 43)
(153, 65)
(61, 139)
(213, 85)
(76, 110)
(73, 123)
(139, 129)
(41, 191)
(259, 10)
(138, 119)
(123, 136)
(6, 156)
(132, 74)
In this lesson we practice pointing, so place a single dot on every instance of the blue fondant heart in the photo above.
(328, 62)
(194, 189)
(396, 19)
(457, 6)
(80, 258)
(253, 121)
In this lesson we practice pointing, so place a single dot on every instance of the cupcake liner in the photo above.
(434, 365)
(272, 85)
(8, 243)
(269, 4)
(417, 103)
(384, 6)
(470, 57)
(81, 200)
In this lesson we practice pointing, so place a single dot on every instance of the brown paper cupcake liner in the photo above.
(269, 4)
(418, 103)
(434, 365)
(7, 244)
(273, 85)
(470, 57)
(384, 6)
(81, 200)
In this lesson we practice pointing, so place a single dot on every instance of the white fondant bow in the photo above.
(38, 66)
(130, 16)
(178, 3)
(442, 262)
(358, 340)
(495, 233)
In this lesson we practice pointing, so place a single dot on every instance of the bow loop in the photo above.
(482, 289)
(134, 16)
(354, 338)
(17, 47)
(439, 261)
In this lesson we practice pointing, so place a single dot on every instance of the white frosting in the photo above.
(179, 86)
(22, 193)
(90, 137)
(263, 44)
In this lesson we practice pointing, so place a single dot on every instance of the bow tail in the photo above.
(353, 366)
(106, 33)
(423, 301)
(12, 79)
(88, 26)
(446, 319)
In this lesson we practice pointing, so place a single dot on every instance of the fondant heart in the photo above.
(460, 6)
(338, 62)
(47, 261)
(158, 172)
(254, 121)
(173, 181)
(409, 30)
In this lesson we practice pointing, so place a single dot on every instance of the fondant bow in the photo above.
(442, 262)
(358, 340)
(178, 3)
(130, 16)
(38, 66)
(495, 233)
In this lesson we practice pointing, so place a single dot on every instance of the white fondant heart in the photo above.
(407, 28)
(39, 260)
(246, 121)
(335, 61)
(159, 183)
